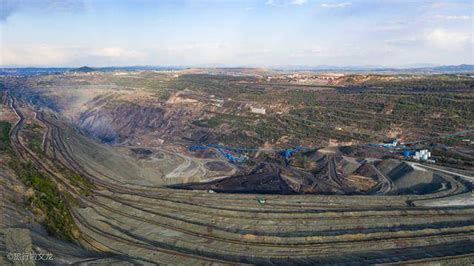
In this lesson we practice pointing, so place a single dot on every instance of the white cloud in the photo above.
(298, 2)
(450, 5)
(35, 55)
(117, 52)
(270, 2)
(404, 41)
(336, 5)
(453, 17)
(282, 3)
(446, 39)
(42, 55)
(110, 52)
(433, 40)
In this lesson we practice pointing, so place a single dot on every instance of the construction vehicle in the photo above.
(261, 201)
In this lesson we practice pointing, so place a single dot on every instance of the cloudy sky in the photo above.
(235, 32)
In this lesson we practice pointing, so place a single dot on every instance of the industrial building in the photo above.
(421, 155)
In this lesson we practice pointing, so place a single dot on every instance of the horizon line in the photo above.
(367, 66)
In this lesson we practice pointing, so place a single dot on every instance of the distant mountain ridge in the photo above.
(463, 67)
(84, 69)
(448, 69)
(433, 69)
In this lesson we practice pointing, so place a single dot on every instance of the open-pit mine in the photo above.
(236, 166)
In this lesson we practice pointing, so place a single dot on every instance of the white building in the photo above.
(422, 155)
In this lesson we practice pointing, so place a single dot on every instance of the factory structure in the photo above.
(420, 155)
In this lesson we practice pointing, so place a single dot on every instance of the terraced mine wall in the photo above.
(155, 224)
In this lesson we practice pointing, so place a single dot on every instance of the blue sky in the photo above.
(235, 33)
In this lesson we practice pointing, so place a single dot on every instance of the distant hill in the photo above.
(464, 68)
(418, 68)
(459, 68)
(32, 71)
(84, 69)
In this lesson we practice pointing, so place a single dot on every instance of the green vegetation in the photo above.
(158, 84)
(347, 150)
(452, 158)
(426, 83)
(218, 85)
(33, 133)
(211, 122)
(35, 145)
(5, 137)
(423, 105)
(301, 160)
(46, 201)
(85, 185)
(4, 131)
